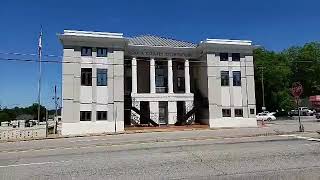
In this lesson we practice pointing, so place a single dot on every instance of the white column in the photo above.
(134, 75)
(152, 76)
(170, 76)
(187, 76)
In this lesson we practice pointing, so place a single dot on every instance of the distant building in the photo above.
(110, 81)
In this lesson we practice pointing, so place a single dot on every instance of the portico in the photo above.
(169, 81)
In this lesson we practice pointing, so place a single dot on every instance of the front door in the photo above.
(163, 112)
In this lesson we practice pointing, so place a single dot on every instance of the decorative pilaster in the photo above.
(152, 76)
(187, 76)
(170, 76)
(134, 75)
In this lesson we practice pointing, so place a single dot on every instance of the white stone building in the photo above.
(110, 81)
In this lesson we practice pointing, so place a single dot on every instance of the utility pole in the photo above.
(46, 123)
(262, 85)
(56, 99)
(40, 74)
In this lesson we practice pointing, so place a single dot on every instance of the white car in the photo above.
(266, 117)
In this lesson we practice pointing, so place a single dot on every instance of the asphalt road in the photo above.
(236, 158)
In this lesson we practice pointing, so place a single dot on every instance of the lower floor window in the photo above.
(85, 115)
(102, 115)
(226, 112)
(252, 111)
(238, 113)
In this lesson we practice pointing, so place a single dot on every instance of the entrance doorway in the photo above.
(163, 112)
(145, 112)
(181, 109)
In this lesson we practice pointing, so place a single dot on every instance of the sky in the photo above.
(273, 24)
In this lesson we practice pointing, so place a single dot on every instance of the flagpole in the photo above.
(40, 74)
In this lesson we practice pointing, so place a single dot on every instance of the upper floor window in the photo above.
(224, 78)
(238, 113)
(102, 77)
(223, 56)
(235, 56)
(102, 52)
(85, 115)
(236, 78)
(86, 76)
(86, 51)
(180, 83)
(226, 112)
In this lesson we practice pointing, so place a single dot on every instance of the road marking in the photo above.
(31, 164)
(302, 137)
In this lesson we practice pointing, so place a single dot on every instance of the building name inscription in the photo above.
(160, 54)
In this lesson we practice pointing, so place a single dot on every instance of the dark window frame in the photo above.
(100, 73)
(85, 115)
(226, 112)
(86, 76)
(225, 78)
(252, 111)
(223, 58)
(181, 84)
(235, 56)
(236, 76)
(102, 52)
(86, 51)
(238, 112)
(102, 115)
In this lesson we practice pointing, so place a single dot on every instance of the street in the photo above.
(174, 155)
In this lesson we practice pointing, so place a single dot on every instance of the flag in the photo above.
(40, 43)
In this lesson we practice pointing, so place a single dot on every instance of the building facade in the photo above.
(110, 81)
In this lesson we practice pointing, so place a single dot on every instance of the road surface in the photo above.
(276, 157)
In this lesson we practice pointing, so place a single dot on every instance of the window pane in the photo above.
(102, 115)
(224, 78)
(236, 78)
(238, 113)
(102, 77)
(86, 51)
(226, 112)
(85, 115)
(102, 52)
(252, 111)
(223, 56)
(86, 76)
(235, 56)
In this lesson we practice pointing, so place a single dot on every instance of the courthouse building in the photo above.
(110, 82)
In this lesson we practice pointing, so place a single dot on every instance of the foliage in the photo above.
(11, 114)
(280, 70)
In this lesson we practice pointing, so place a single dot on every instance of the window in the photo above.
(102, 52)
(180, 65)
(161, 77)
(236, 78)
(235, 56)
(252, 111)
(102, 77)
(238, 113)
(102, 115)
(180, 83)
(223, 56)
(226, 112)
(86, 51)
(85, 115)
(224, 78)
(86, 76)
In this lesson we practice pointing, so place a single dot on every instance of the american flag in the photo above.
(40, 43)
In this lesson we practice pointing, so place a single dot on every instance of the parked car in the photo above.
(265, 117)
(304, 111)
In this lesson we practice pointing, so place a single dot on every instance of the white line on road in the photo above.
(31, 164)
(302, 137)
